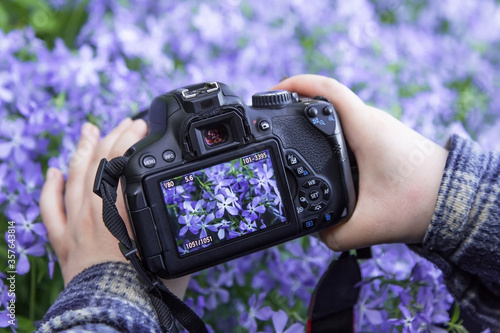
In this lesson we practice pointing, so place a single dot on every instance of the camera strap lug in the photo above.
(102, 175)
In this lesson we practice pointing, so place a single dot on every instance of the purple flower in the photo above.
(5, 319)
(370, 307)
(6, 95)
(88, 68)
(191, 223)
(224, 229)
(32, 182)
(4, 181)
(26, 227)
(197, 209)
(216, 291)
(23, 264)
(409, 322)
(280, 319)
(229, 194)
(225, 204)
(175, 196)
(247, 226)
(205, 224)
(264, 179)
(222, 186)
(241, 184)
(17, 143)
(255, 311)
(254, 208)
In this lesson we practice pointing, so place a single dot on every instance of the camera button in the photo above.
(314, 195)
(310, 183)
(303, 199)
(326, 191)
(312, 112)
(309, 224)
(292, 159)
(149, 161)
(264, 125)
(327, 218)
(168, 156)
(328, 110)
(317, 207)
(301, 171)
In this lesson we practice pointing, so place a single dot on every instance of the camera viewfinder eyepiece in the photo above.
(215, 135)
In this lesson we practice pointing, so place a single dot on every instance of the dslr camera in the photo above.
(216, 179)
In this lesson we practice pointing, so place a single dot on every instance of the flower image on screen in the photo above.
(222, 202)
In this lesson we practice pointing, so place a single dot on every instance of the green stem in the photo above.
(32, 293)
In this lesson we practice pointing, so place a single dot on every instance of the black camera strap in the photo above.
(331, 308)
(167, 305)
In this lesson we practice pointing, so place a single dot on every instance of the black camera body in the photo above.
(216, 179)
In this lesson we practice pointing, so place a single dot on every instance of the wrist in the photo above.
(178, 286)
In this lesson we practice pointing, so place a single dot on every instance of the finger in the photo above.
(354, 114)
(52, 205)
(103, 149)
(116, 143)
(133, 133)
(89, 136)
(80, 161)
(110, 139)
(312, 85)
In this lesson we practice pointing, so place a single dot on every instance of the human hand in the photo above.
(400, 171)
(74, 218)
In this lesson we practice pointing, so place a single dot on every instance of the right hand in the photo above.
(400, 171)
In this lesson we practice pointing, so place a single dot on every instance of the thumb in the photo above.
(354, 114)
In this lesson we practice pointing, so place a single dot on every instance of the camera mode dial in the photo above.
(276, 99)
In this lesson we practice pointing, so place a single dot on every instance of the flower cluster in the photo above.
(222, 202)
(434, 65)
(395, 275)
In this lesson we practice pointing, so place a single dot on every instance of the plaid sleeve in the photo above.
(106, 297)
(463, 239)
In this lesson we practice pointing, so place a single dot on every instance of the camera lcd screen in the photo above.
(223, 202)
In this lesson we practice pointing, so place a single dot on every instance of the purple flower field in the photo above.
(435, 65)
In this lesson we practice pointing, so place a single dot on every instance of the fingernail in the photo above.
(125, 121)
(89, 130)
(139, 121)
(51, 173)
(86, 129)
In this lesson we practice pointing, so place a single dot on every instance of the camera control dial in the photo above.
(276, 99)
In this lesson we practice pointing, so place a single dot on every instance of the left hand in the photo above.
(74, 218)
